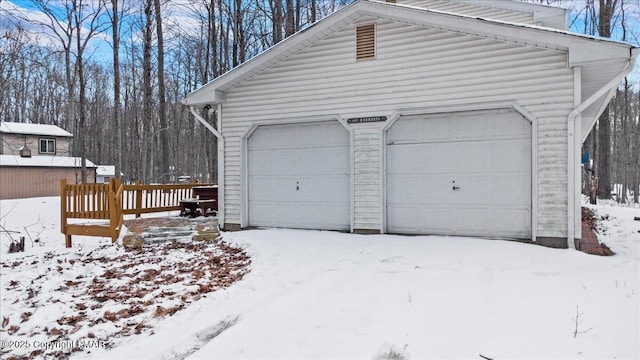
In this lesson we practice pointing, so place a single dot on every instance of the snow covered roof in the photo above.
(32, 129)
(106, 170)
(43, 161)
(544, 15)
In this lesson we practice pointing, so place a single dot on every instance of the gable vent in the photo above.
(365, 42)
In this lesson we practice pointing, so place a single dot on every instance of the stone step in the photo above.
(162, 240)
(168, 233)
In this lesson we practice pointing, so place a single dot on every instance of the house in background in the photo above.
(451, 117)
(34, 158)
(104, 173)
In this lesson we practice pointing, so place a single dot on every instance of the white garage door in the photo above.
(299, 176)
(466, 173)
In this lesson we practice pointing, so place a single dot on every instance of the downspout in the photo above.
(574, 143)
(218, 135)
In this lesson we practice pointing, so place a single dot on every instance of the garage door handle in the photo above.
(456, 187)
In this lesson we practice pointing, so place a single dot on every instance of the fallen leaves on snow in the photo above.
(109, 293)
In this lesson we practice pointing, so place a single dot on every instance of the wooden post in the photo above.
(138, 198)
(63, 212)
(113, 210)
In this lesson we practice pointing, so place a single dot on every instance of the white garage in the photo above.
(466, 173)
(298, 176)
(430, 139)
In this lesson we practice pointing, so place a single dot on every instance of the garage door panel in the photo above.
(485, 155)
(467, 127)
(299, 176)
(323, 135)
(441, 219)
(413, 131)
(272, 188)
(324, 216)
(511, 156)
(506, 125)
(272, 138)
(324, 161)
(271, 162)
(427, 159)
(404, 218)
(329, 188)
(510, 190)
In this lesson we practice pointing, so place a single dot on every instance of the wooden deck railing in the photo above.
(91, 202)
(142, 199)
(111, 202)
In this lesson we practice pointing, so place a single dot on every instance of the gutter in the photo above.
(574, 142)
(218, 135)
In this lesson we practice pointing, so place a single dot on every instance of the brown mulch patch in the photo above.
(589, 217)
(589, 242)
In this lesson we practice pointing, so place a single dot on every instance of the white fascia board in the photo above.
(206, 95)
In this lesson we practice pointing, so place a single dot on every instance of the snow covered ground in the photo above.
(318, 294)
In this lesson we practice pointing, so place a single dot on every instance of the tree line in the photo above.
(124, 109)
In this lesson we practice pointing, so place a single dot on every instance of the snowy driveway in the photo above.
(314, 294)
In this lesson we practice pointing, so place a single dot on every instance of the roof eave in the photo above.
(206, 95)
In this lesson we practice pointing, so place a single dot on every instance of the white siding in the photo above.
(415, 67)
(366, 177)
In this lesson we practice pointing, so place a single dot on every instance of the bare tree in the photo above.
(164, 130)
(115, 34)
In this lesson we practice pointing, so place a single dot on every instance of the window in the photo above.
(365, 42)
(47, 146)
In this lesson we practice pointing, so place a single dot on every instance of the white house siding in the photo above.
(366, 176)
(473, 10)
(415, 68)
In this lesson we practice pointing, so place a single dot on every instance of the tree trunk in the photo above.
(82, 100)
(606, 11)
(147, 91)
(289, 20)
(277, 21)
(164, 131)
(313, 11)
(115, 23)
